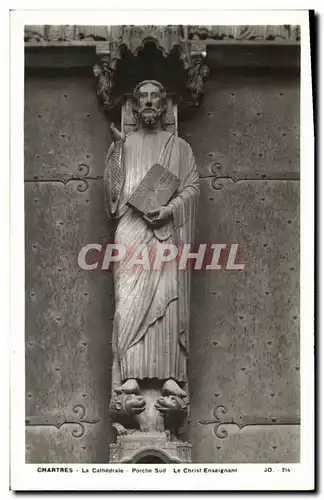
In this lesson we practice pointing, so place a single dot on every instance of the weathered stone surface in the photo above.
(68, 309)
(245, 347)
(40, 33)
(60, 56)
(247, 126)
(244, 32)
(50, 445)
(143, 447)
(222, 55)
(64, 128)
(255, 444)
(244, 337)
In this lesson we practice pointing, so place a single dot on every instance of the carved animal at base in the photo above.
(174, 410)
(123, 410)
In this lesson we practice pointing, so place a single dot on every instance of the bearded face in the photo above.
(149, 104)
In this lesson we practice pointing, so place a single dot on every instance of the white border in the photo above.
(251, 476)
(178, 16)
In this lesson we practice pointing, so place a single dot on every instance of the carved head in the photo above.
(171, 403)
(126, 404)
(150, 99)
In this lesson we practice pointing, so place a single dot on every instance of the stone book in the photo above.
(155, 190)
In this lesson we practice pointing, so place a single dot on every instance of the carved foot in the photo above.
(159, 422)
(129, 387)
(120, 429)
(171, 387)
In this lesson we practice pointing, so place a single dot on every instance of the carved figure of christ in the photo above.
(151, 322)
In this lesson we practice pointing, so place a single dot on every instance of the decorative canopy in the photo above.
(173, 54)
(68, 33)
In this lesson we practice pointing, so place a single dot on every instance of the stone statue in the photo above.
(152, 307)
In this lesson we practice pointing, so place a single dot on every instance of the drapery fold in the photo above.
(152, 306)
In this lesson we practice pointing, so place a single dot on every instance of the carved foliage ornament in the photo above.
(105, 74)
(245, 32)
(167, 59)
(130, 34)
(172, 42)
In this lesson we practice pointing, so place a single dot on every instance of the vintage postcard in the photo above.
(162, 229)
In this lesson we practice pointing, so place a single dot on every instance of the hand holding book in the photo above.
(152, 196)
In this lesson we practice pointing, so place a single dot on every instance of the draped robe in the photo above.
(152, 306)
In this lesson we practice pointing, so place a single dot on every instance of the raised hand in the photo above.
(116, 135)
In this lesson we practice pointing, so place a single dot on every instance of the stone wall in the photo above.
(245, 324)
(68, 310)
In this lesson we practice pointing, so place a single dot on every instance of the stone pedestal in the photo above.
(149, 447)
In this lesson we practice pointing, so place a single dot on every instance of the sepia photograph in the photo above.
(162, 200)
